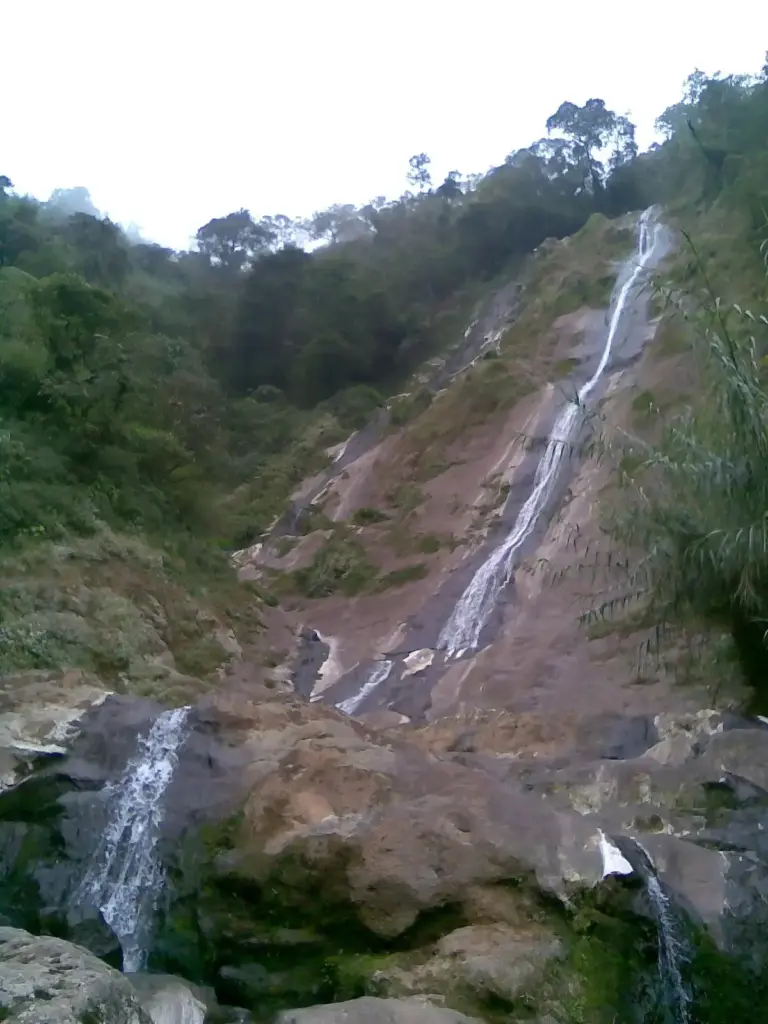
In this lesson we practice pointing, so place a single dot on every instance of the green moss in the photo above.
(643, 404)
(406, 498)
(368, 516)
(428, 543)
(314, 519)
(727, 988)
(408, 407)
(399, 577)
(352, 975)
(285, 545)
(341, 565)
(564, 367)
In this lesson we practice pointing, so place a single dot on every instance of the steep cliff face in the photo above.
(392, 535)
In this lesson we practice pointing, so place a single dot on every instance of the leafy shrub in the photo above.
(368, 516)
(694, 505)
(340, 565)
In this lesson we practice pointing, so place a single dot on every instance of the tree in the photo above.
(19, 230)
(451, 187)
(261, 344)
(281, 230)
(235, 241)
(418, 176)
(338, 224)
(5, 184)
(324, 366)
(100, 247)
(66, 201)
(590, 129)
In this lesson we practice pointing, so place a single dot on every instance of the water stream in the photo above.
(125, 876)
(672, 998)
(475, 606)
(377, 675)
(670, 956)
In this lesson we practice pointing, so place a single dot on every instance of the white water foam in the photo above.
(377, 675)
(614, 861)
(125, 876)
(473, 609)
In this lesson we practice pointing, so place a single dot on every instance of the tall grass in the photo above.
(691, 511)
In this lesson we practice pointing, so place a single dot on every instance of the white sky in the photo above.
(172, 112)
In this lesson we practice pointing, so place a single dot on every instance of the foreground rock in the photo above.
(358, 863)
(169, 1000)
(49, 981)
(375, 1011)
(40, 713)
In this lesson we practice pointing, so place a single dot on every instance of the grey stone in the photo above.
(169, 1000)
(44, 980)
(375, 1011)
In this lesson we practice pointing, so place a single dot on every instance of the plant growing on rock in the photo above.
(694, 503)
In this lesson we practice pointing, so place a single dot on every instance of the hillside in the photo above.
(364, 606)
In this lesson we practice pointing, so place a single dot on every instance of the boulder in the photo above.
(375, 1011)
(387, 832)
(742, 753)
(490, 961)
(40, 714)
(169, 1000)
(49, 981)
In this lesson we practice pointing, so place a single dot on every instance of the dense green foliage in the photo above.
(693, 509)
(186, 392)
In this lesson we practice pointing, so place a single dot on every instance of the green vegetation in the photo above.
(369, 516)
(697, 498)
(181, 396)
(399, 577)
(686, 520)
(341, 565)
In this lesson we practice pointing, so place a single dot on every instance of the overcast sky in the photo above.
(173, 112)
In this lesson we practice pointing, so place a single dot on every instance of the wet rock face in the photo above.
(52, 818)
(49, 981)
(311, 858)
(440, 873)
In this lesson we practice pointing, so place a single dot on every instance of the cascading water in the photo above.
(675, 998)
(377, 675)
(473, 609)
(125, 876)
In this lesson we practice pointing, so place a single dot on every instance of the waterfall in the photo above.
(377, 675)
(670, 954)
(473, 609)
(125, 876)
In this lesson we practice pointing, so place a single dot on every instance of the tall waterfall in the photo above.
(125, 876)
(473, 609)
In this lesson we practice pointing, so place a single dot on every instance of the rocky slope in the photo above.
(391, 535)
(442, 845)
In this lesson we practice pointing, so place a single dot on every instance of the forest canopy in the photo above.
(141, 386)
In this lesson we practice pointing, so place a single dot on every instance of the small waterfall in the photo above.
(673, 997)
(670, 957)
(125, 876)
(473, 609)
(377, 675)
